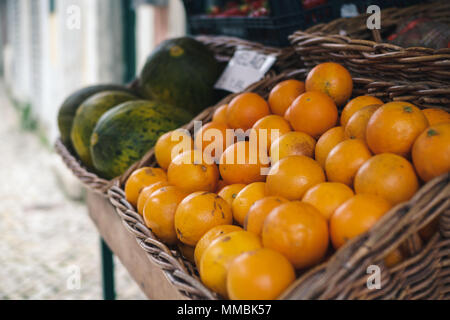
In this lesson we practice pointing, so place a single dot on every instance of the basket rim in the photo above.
(338, 41)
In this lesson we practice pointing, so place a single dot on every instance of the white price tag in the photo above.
(244, 68)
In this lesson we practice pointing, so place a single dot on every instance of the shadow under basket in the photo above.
(423, 274)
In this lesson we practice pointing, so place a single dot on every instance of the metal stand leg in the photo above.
(107, 272)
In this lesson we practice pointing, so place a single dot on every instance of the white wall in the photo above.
(18, 64)
(144, 34)
(47, 59)
(109, 41)
(145, 39)
(177, 19)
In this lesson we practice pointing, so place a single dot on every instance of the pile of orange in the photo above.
(255, 209)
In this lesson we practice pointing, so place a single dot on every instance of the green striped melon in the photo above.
(126, 132)
(87, 116)
(181, 72)
(68, 108)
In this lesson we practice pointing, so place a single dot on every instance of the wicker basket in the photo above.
(425, 274)
(357, 51)
(223, 48)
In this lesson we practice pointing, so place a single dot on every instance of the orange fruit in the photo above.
(327, 142)
(356, 216)
(357, 104)
(389, 176)
(332, 79)
(431, 151)
(211, 139)
(147, 192)
(140, 179)
(242, 163)
(298, 231)
(258, 212)
(436, 116)
(245, 199)
(270, 128)
(283, 94)
(209, 237)
(393, 258)
(220, 115)
(292, 144)
(230, 192)
(198, 213)
(171, 144)
(292, 176)
(186, 251)
(312, 113)
(245, 109)
(159, 212)
(394, 127)
(357, 124)
(191, 172)
(327, 197)
(220, 254)
(262, 274)
(345, 159)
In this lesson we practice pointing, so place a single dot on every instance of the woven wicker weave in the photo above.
(223, 48)
(357, 51)
(425, 274)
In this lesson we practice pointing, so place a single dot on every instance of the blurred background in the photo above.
(48, 49)
(51, 47)
(49, 248)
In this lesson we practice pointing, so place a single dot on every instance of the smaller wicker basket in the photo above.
(425, 274)
(223, 48)
(349, 42)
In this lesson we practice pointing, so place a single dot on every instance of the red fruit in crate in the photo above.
(261, 12)
(309, 4)
(231, 4)
(214, 10)
(232, 12)
(244, 9)
(256, 4)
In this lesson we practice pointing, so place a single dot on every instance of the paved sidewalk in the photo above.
(45, 238)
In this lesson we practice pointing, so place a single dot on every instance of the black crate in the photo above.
(286, 16)
(383, 4)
